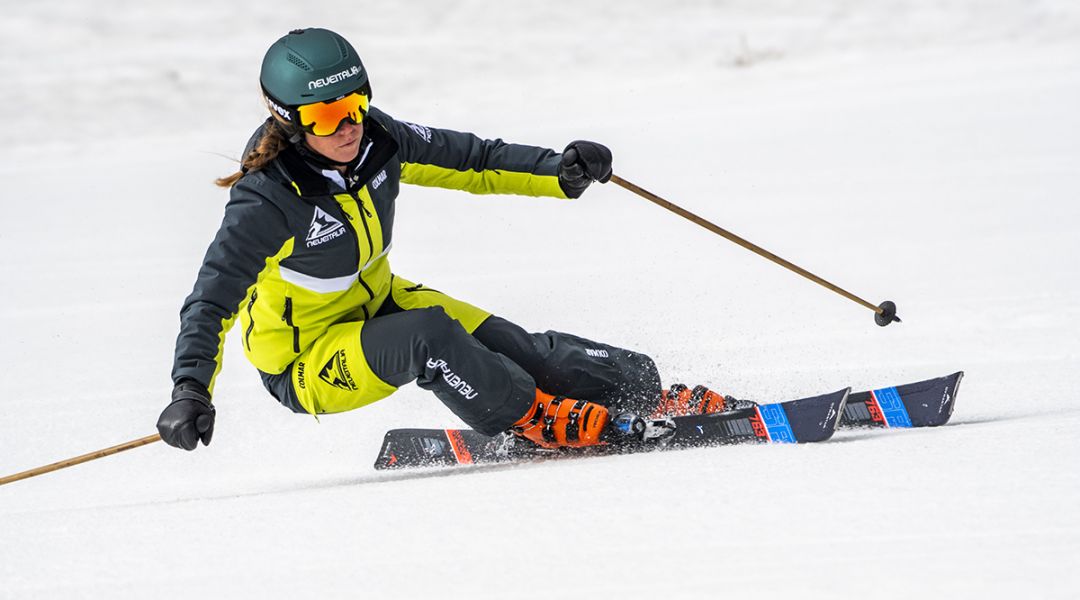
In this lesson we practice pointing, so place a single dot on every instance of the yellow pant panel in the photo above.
(333, 376)
(411, 296)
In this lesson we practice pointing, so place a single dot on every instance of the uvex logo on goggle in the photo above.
(284, 112)
(336, 77)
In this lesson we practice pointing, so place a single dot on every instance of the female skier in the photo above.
(302, 258)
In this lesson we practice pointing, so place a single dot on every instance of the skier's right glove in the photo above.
(189, 417)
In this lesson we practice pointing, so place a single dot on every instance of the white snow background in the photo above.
(924, 152)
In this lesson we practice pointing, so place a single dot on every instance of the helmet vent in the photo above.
(296, 60)
(342, 47)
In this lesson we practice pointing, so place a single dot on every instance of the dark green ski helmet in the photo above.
(310, 65)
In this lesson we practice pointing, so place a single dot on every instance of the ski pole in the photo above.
(884, 313)
(56, 466)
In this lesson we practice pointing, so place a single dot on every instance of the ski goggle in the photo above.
(323, 118)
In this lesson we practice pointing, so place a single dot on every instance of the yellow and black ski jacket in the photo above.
(296, 252)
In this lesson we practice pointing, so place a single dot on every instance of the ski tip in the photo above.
(945, 403)
(836, 411)
(815, 419)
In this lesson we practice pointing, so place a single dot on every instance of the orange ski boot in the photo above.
(556, 421)
(680, 401)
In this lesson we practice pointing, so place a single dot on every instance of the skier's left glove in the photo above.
(582, 163)
(189, 417)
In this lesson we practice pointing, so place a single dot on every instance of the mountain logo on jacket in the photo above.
(324, 227)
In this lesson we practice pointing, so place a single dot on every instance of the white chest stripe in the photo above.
(372, 261)
(325, 286)
(317, 284)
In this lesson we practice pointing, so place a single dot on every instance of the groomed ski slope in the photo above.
(927, 153)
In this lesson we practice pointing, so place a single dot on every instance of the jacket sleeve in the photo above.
(252, 230)
(462, 161)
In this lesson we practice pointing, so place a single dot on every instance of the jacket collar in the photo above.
(307, 180)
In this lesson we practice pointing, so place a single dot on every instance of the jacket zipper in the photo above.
(363, 219)
(251, 319)
(371, 245)
(287, 317)
(363, 206)
(420, 288)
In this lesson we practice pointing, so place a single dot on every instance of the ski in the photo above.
(926, 403)
(797, 421)
(923, 404)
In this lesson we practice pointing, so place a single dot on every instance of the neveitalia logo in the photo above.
(336, 77)
(324, 227)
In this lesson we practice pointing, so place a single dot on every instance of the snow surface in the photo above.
(924, 152)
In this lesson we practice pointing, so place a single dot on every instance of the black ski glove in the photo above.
(189, 417)
(582, 163)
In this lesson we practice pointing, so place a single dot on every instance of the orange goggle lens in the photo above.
(324, 118)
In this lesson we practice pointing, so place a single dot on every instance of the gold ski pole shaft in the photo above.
(884, 314)
(56, 466)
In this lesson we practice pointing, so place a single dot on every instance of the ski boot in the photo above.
(556, 422)
(680, 401)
